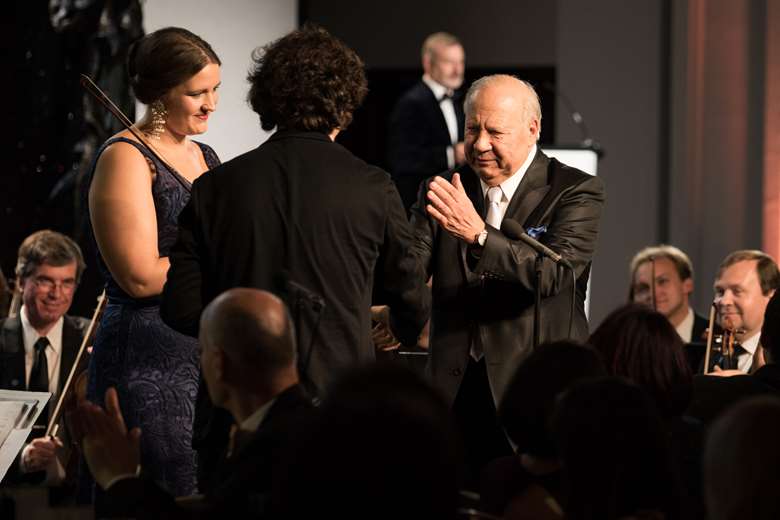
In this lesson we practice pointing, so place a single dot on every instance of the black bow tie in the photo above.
(447, 95)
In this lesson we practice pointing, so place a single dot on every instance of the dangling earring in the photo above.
(158, 119)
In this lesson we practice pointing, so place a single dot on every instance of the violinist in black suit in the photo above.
(248, 358)
(483, 280)
(39, 345)
(426, 126)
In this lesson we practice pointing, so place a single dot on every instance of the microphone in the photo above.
(513, 229)
(587, 141)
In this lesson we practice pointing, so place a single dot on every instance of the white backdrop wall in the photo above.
(234, 29)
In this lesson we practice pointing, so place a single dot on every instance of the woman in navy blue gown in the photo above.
(134, 202)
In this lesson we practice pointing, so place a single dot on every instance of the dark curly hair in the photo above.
(164, 59)
(306, 80)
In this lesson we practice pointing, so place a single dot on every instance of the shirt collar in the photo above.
(685, 328)
(31, 335)
(438, 89)
(751, 344)
(509, 186)
(253, 422)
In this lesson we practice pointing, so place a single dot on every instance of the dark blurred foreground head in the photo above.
(381, 446)
(742, 462)
(613, 451)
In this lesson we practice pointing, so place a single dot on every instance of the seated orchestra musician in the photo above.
(38, 345)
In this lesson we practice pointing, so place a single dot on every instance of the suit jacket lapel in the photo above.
(71, 341)
(436, 112)
(531, 190)
(13, 376)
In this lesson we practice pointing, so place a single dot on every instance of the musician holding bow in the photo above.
(140, 182)
(38, 346)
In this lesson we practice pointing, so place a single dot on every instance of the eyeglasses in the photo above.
(47, 284)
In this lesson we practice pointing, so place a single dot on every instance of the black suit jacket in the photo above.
(712, 395)
(494, 297)
(12, 376)
(418, 139)
(694, 351)
(303, 205)
(12, 350)
(243, 480)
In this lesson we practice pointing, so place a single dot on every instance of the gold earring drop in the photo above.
(158, 119)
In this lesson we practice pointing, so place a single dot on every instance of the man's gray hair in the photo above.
(532, 108)
(434, 40)
(48, 247)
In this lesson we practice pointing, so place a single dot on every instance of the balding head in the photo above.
(503, 121)
(254, 334)
(521, 92)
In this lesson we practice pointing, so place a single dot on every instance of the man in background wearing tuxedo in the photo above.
(426, 126)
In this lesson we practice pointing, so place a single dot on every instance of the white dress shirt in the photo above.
(55, 472)
(509, 186)
(253, 422)
(448, 110)
(508, 189)
(53, 350)
(745, 360)
(685, 328)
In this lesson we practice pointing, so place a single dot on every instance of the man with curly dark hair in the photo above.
(301, 207)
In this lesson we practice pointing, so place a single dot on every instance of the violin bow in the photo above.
(101, 96)
(53, 426)
(710, 334)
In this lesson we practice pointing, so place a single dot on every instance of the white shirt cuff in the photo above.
(123, 477)
(450, 157)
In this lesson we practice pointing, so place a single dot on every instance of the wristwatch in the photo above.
(482, 237)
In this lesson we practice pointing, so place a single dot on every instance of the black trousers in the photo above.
(475, 415)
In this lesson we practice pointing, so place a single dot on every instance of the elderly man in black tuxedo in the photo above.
(302, 206)
(426, 126)
(248, 358)
(483, 280)
(39, 345)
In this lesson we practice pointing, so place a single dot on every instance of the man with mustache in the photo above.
(426, 127)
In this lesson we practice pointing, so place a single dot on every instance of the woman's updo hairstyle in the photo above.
(160, 61)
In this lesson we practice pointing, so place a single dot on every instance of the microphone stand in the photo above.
(537, 299)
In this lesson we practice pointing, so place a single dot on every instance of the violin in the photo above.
(74, 390)
(724, 343)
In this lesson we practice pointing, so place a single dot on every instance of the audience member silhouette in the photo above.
(742, 462)
(641, 345)
(525, 413)
(382, 446)
(249, 364)
(614, 453)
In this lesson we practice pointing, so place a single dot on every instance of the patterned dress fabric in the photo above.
(154, 368)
